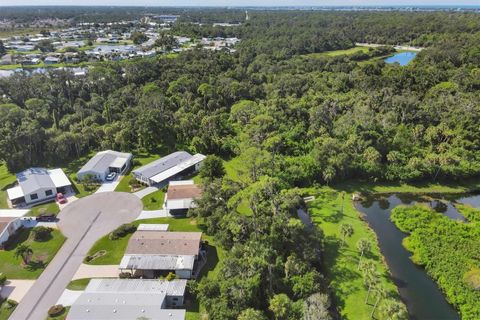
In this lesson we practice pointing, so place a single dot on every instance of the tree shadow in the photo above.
(17, 238)
(211, 263)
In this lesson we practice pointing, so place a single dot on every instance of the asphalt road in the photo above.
(83, 222)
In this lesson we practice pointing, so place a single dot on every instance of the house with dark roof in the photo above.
(153, 253)
(37, 185)
(105, 162)
(180, 196)
(174, 165)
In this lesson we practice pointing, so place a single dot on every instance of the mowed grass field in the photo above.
(339, 52)
(6, 180)
(43, 251)
(341, 261)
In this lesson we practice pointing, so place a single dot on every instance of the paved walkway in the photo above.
(68, 297)
(32, 223)
(108, 186)
(16, 289)
(150, 214)
(92, 271)
(82, 222)
(145, 192)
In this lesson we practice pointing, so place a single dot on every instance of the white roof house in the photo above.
(167, 167)
(151, 227)
(38, 184)
(130, 299)
(105, 162)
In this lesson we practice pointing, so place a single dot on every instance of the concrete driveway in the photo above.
(145, 192)
(108, 186)
(82, 222)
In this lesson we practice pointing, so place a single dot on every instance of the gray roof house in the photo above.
(105, 162)
(173, 165)
(130, 299)
(37, 185)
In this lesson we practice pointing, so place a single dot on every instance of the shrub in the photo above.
(171, 276)
(11, 303)
(122, 231)
(55, 311)
(41, 233)
(3, 279)
(125, 275)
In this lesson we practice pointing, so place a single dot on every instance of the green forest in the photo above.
(292, 117)
(448, 250)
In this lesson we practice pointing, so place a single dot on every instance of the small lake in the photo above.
(402, 58)
(423, 298)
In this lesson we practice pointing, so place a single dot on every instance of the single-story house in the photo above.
(126, 299)
(38, 185)
(8, 226)
(181, 195)
(105, 162)
(176, 164)
(151, 254)
(173, 289)
(51, 60)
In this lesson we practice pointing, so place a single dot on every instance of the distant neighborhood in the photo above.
(91, 42)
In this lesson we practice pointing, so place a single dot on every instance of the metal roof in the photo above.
(164, 175)
(122, 306)
(174, 287)
(15, 193)
(162, 164)
(34, 179)
(157, 262)
(103, 160)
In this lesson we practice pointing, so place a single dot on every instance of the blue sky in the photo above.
(237, 2)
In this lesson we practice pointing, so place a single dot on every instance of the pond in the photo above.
(402, 58)
(423, 298)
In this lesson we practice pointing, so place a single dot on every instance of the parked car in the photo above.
(61, 198)
(47, 217)
(111, 176)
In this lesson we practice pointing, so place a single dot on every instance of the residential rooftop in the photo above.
(164, 243)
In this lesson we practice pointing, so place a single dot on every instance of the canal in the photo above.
(423, 298)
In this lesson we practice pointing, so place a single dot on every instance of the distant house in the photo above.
(38, 185)
(105, 162)
(130, 299)
(8, 226)
(51, 60)
(174, 165)
(152, 253)
(181, 195)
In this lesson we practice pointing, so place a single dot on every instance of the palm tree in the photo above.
(381, 293)
(364, 246)
(346, 230)
(393, 310)
(370, 276)
(25, 252)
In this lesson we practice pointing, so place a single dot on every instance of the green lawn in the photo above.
(140, 159)
(339, 52)
(340, 262)
(154, 201)
(42, 251)
(6, 181)
(49, 207)
(5, 311)
(79, 284)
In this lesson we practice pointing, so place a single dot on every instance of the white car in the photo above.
(111, 176)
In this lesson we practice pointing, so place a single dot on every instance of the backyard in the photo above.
(43, 253)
